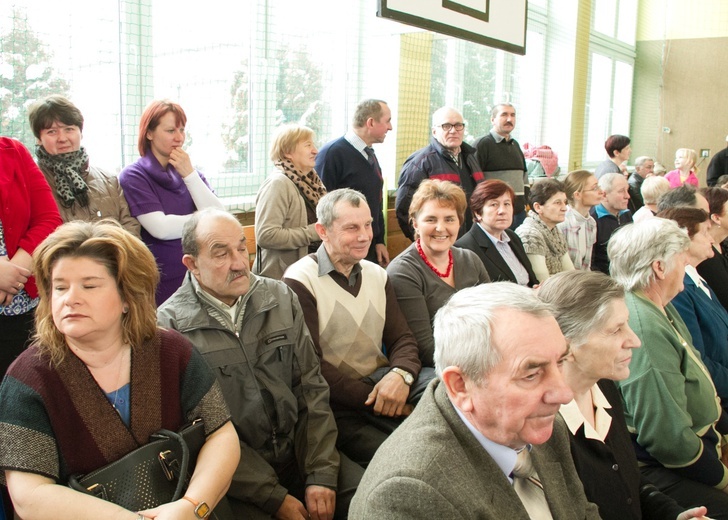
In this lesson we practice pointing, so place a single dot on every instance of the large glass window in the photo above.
(611, 71)
(241, 69)
(616, 19)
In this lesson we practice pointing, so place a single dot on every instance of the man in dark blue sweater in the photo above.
(349, 162)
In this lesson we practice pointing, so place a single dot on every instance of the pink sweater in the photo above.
(674, 178)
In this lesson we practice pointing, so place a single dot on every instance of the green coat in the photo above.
(271, 379)
(669, 399)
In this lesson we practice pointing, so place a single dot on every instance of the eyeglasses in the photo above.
(595, 188)
(446, 127)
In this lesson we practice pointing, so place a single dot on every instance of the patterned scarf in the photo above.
(554, 239)
(309, 185)
(67, 169)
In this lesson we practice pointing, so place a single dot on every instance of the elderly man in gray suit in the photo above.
(482, 443)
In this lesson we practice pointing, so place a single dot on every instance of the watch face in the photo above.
(409, 379)
(202, 510)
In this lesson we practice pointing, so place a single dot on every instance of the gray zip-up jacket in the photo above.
(272, 382)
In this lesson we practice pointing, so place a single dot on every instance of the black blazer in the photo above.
(498, 270)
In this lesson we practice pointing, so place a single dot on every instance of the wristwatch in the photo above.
(202, 510)
(408, 378)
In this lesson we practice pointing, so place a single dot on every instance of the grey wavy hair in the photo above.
(326, 207)
(463, 327)
(634, 247)
(581, 301)
(685, 195)
(606, 181)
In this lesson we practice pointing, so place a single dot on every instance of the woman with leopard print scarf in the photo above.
(81, 191)
(285, 209)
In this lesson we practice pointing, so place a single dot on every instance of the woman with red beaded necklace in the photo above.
(428, 272)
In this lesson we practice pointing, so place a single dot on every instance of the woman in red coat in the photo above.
(28, 214)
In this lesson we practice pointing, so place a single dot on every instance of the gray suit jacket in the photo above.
(433, 467)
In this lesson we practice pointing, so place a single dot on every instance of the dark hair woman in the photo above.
(491, 238)
(545, 244)
(82, 191)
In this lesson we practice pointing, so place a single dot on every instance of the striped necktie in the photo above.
(529, 488)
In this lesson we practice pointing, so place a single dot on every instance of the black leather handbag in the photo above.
(152, 475)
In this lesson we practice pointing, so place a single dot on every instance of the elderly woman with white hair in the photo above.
(652, 189)
(591, 311)
(670, 403)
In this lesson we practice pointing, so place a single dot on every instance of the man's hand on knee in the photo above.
(320, 502)
(389, 396)
(291, 509)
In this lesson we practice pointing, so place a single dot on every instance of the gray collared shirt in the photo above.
(325, 266)
(498, 138)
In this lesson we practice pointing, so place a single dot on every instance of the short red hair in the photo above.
(488, 190)
(155, 111)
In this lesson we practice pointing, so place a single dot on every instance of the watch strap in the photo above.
(202, 510)
(408, 378)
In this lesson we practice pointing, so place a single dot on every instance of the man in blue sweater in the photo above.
(349, 162)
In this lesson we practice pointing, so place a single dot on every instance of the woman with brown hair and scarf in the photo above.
(285, 210)
(82, 191)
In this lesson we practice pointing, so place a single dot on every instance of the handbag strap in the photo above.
(181, 478)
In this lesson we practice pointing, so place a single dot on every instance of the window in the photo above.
(241, 69)
(611, 71)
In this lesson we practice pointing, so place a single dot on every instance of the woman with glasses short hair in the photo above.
(697, 304)
(579, 227)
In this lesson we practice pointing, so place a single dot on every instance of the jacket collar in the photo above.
(465, 148)
(191, 312)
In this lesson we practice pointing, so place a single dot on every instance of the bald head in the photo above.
(448, 128)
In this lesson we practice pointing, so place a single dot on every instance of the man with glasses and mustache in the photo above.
(251, 331)
(501, 157)
(446, 158)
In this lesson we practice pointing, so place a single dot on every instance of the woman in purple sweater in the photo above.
(163, 189)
